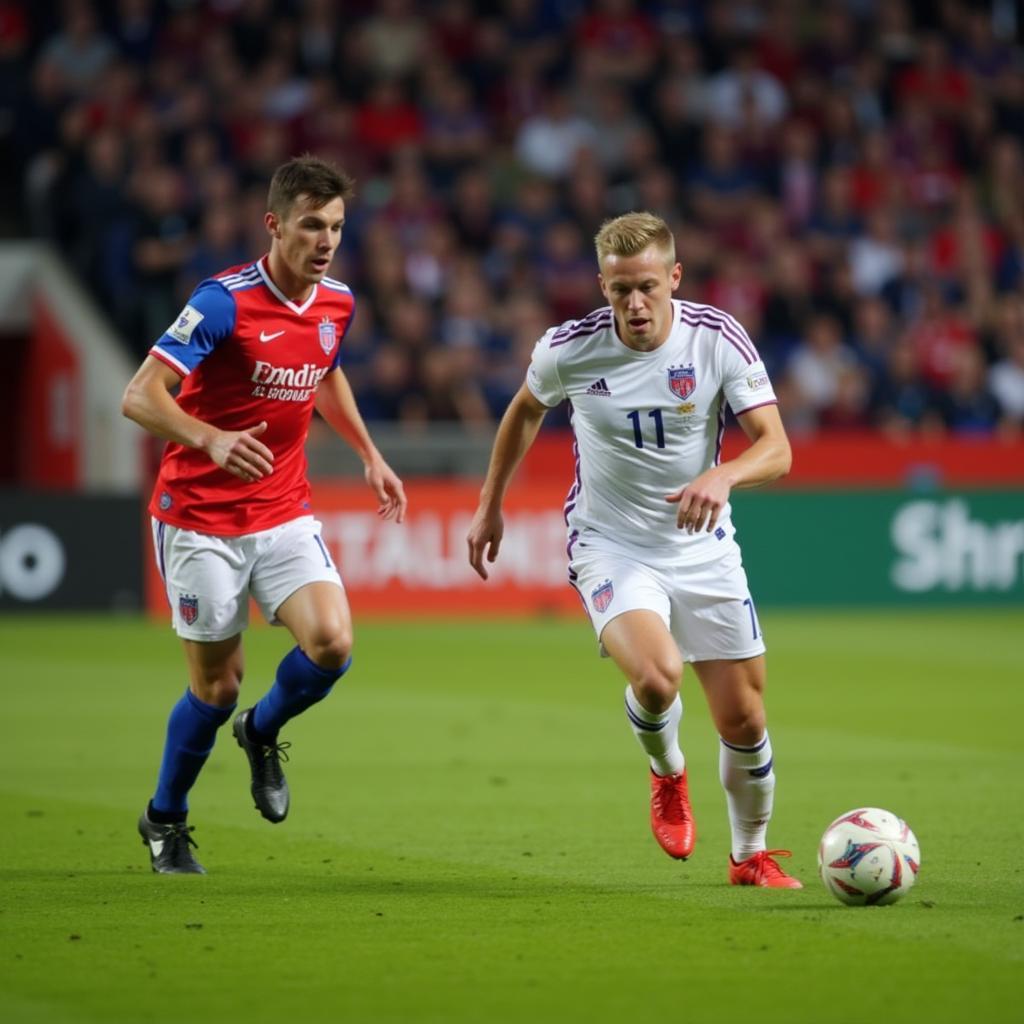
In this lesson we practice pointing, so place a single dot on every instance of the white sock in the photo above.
(749, 781)
(658, 734)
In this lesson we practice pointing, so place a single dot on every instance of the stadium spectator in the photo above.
(790, 303)
(456, 132)
(835, 223)
(387, 386)
(220, 244)
(448, 389)
(814, 371)
(722, 187)
(135, 28)
(936, 335)
(386, 122)
(567, 276)
(875, 256)
(1006, 377)
(736, 285)
(875, 182)
(392, 42)
(615, 124)
(588, 194)
(850, 408)
(978, 52)
(97, 207)
(729, 92)
(619, 38)
(934, 80)
(677, 104)
(465, 321)
(547, 142)
(81, 51)
(872, 337)
(319, 30)
(161, 242)
(797, 181)
(904, 403)
(966, 403)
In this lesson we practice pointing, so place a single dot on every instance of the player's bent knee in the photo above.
(743, 728)
(220, 691)
(330, 650)
(657, 683)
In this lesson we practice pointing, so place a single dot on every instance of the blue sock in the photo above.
(191, 730)
(300, 683)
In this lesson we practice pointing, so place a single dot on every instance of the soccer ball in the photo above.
(868, 857)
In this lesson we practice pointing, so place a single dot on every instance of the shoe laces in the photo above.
(178, 832)
(766, 866)
(273, 755)
(668, 799)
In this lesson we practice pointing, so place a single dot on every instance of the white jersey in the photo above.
(647, 423)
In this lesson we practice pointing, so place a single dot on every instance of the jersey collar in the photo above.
(278, 294)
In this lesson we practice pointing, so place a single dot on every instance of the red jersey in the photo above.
(246, 353)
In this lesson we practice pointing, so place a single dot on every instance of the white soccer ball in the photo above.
(868, 857)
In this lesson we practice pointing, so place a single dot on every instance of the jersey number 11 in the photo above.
(659, 427)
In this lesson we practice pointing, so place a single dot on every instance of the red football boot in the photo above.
(762, 869)
(671, 817)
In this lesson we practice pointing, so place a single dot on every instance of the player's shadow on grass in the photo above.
(489, 888)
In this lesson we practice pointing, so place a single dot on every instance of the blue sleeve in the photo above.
(207, 319)
(336, 362)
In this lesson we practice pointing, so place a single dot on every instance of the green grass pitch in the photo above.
(468, 838)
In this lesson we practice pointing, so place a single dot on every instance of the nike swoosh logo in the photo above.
(270, 337)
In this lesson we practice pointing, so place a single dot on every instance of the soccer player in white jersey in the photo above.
(651, 546)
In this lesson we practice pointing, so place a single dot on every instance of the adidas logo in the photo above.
(599, 387)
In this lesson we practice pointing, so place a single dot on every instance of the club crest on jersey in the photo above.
(328, 335)
(682, 380)
(188, 608)
(602, 596)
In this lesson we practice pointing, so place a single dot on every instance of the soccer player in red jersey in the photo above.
(254, 351)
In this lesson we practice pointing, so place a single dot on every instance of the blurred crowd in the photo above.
(846, 177)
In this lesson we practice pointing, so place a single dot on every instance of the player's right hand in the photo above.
(241, 454)
(484, 538)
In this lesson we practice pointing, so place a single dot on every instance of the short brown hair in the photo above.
(310, 176)
(632, 233)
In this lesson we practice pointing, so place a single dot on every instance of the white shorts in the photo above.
(706, 607)
(210, 579)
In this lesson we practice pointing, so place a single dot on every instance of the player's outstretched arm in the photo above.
(337, 404)
(767, 458)
(148, 400)
(516, 432)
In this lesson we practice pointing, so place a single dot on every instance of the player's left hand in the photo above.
(484, 537)
(384, 482)
(701, 501)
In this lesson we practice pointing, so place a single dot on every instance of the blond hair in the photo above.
(632, 233)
